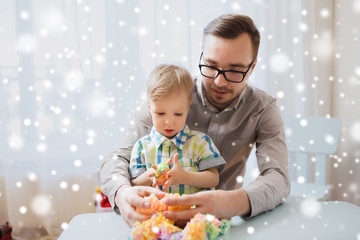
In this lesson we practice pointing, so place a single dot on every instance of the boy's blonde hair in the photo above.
(168, 78)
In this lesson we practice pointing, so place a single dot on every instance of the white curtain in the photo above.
(73, 74)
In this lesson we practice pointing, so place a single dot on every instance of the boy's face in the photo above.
(169, 113)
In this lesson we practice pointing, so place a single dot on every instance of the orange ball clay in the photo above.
(200, 227)
(161, 174)
(157, 205)
(157, 226)
(195, 230)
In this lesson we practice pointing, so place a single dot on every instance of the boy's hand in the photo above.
(151, 175)
(176, 174)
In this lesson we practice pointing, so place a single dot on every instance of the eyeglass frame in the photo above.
(224, 71)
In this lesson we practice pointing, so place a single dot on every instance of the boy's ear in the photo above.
(148, 104)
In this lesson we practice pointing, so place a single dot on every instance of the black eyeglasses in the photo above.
(229, 75)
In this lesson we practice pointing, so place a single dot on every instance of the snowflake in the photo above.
(355, 131)
(279, 63)
(26, 44)
(41, 205)
(310, 207)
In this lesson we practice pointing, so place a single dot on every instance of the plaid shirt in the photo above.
(197, 152)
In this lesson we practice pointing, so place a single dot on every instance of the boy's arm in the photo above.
(143, 179)
(208, 178)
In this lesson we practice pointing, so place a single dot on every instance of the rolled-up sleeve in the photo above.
(210, 155)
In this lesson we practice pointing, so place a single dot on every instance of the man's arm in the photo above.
(114, 170)
(272, 186)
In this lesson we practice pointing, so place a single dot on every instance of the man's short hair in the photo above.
(169, 78)
(231, 25)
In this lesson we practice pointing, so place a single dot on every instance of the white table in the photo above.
(293, 220)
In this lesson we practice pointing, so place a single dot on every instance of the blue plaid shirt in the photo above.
(196, 150)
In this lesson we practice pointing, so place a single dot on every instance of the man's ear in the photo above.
(254, 63)
(253, 67)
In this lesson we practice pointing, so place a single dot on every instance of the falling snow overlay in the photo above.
(73, 74)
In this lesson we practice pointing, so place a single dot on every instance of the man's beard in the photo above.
(219, 105)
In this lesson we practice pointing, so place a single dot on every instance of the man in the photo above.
(235, 115)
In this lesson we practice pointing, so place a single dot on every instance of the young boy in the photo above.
(195, 156)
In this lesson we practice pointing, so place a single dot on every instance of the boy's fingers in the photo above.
(176, 159)
(166, 185)
(155, 184)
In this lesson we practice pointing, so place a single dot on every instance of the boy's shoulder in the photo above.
(147, 137)
(197, 134)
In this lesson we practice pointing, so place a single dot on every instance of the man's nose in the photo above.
(220, 80)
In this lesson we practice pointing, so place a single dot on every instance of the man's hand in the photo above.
(127, 198)
(222, 204)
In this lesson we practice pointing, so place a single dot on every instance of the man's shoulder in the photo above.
(256, 94)
(257, 97)
(143, 115)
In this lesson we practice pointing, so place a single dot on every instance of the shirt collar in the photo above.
(201, 91)
(179, 139)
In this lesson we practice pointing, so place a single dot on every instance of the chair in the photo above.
(309, 141)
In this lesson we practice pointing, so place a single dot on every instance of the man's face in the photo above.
(226, 54)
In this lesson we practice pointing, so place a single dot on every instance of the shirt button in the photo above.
(217, 115)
